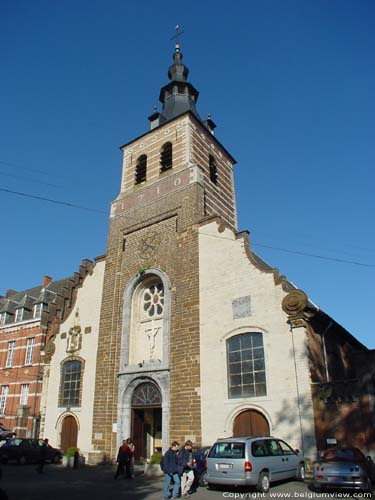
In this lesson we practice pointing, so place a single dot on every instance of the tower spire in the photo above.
(178, 96)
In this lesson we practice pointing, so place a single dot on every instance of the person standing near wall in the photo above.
(184, 464)
(170, 470)
(123, 460)
(131, 446)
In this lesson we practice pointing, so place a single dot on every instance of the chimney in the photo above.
(10, 292)
(46, 281)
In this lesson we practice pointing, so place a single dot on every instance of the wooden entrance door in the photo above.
(69, 433)
(250, 423)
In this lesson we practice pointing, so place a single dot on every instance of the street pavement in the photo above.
(97, 483)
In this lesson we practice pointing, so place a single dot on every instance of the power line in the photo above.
(72, 205)
(313, 255)
(23, 177)
(287, 250)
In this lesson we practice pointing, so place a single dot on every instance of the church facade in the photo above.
(199, 338)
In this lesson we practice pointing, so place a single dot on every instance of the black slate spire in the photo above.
(178, 96)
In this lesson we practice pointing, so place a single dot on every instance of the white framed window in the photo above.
(24, 397)
(38, 310)
(3, 398)
(246, 366)
(19, 314)
(10, 355)
(29, 351)
(2, 319)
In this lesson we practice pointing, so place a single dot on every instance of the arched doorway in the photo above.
(250, 423)
(69, 433)
(146, 423)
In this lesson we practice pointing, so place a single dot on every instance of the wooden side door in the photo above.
(69, 433)
(250, 423)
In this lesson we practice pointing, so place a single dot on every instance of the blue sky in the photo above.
(290, 84)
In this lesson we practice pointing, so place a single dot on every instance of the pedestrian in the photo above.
(42, 455)
(131, 445)
(123, 460)
(170, 470)
(184, 464)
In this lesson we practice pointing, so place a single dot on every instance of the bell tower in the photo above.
(174, 176)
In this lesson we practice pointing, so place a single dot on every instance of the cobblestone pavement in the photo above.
(94, 483)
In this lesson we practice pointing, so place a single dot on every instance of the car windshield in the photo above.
(227, 450)
(15, 442)
(343, 455)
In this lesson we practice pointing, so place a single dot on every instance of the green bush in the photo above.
(155, 458)
(70, 451)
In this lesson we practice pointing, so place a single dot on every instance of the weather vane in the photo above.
(178, 33)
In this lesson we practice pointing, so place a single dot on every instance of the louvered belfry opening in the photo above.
(213, 169)
(166, 157)
(141, 169)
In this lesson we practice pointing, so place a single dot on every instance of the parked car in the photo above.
(253, 461)
(344, 467)
(200, 465)
(26, 450)
(6, 433)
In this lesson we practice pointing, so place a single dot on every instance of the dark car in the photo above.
(344, 467)
(26, 450)
(6, 433)
(200, 465)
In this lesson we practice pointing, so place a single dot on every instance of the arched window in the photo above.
(141, 169)
(246, 367)
(166, 157)
(213, 169)
(146, 341)
(146, 394)
(70, 383)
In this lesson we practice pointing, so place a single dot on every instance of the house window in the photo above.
(3, 318)
(19, 314)
(38, 310)
(71, 383)
(213, 169)
(3, 398)
(246, 367)
(141, 169)
(29, 351)
(10, 355)
(24, 394)
(166, 157)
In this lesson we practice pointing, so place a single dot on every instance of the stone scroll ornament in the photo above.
(295, 303)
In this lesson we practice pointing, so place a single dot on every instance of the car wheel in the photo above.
(203, 479)
(22, 460)
(368, 488)
(211, 486)
(56, 459)
(263, 485)
(301, 472)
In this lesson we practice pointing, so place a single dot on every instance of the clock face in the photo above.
(149, 245)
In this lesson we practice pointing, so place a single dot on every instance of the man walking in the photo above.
(170, 470)
(42, 455)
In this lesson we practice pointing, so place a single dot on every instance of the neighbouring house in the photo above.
(25, 319)
(70, 367)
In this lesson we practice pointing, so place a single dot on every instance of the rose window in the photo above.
(153, 300)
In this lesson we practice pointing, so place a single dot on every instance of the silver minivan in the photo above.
(253, 461)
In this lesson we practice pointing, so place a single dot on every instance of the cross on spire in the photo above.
(177, 35)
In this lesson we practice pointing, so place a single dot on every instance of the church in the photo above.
(181, 331)
(199, 338)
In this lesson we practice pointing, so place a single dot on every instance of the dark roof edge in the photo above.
(175, 118)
